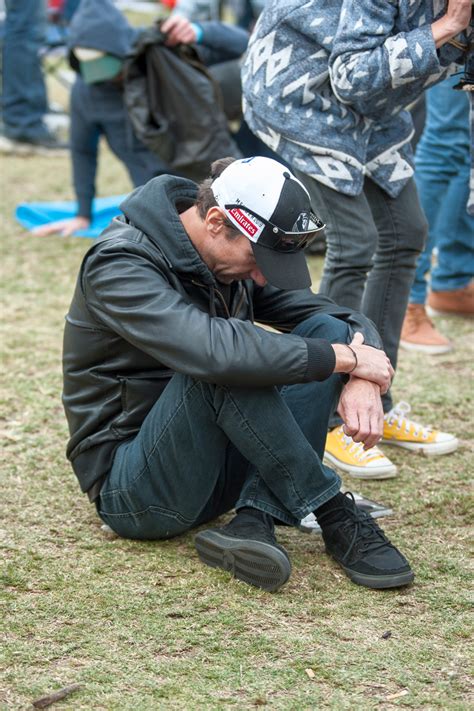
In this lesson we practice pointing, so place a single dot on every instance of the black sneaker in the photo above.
(361, 548)
(247, 548)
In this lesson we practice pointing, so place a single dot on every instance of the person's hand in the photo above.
(360, 407)
(178, 30)
(456, 19)
(65, 228)
(372, 363)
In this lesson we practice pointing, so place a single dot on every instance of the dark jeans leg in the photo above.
(312, 405)
(24, 100)
(201, 443)
(402, 232)
(373, 243)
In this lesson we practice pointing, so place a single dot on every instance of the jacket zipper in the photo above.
(237, 308)
(216, 291)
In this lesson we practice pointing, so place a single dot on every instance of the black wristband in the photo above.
(356, 361)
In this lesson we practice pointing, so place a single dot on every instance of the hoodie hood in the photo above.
(98, 24)
(153, 209)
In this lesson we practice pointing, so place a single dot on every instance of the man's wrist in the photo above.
(346, 358)
(356, 380)
(444, 30)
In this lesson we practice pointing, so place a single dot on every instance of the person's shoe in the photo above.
(400, 431)
(247, 548)
(361, 548)
(351, 457)
(42, 145)
(419, 333)
(459, 302)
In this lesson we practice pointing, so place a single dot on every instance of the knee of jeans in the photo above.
(416, 237)
(324, 326)
(354, 256)
(421, 236)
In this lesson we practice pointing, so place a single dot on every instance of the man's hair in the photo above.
(205, 197)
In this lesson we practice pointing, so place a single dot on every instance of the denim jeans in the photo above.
(373, 242)
(24, 100)
(442, 176)
(204, 449)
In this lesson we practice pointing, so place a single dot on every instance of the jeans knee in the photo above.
(420, 235)
(324, 326)
(414, 238)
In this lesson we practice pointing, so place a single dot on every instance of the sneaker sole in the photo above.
(429, 450)
(439, 312)
(18, 148)
(253, 562)
(379, 582)
(388, 471)
(430, 350)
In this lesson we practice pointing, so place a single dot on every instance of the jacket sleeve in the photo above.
(129, 295)
(284, 310)
(84, 139)
(368, 59)
(221, 42)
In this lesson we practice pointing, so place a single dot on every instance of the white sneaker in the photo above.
(400, 431)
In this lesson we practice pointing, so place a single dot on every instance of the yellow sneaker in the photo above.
(400, 431)
(351, 457)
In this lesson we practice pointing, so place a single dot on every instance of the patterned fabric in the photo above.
(326, 83)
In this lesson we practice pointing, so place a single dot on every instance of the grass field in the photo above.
(145, 625)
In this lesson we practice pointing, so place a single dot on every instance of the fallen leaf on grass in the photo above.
(398, 695)
(310, 673)
(46, 701)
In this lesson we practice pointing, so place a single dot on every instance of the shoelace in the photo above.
(357, 449)
(399, 414)
(365, 528)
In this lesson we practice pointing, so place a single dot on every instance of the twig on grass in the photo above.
(46, 701)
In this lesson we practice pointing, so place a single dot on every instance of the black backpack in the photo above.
(175, 106)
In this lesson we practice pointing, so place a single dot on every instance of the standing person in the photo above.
(24, 99)
(181, 408)
(442, 171)
(325, 85)
(99, 39)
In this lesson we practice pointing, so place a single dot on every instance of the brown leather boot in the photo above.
(420, 334)
(459, 302)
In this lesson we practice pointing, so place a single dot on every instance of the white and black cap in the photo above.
(271, 207)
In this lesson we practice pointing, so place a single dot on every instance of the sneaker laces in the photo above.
(357, 449)
(399, 415)
(366, 530)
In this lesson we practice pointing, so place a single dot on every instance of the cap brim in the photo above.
(285, 270)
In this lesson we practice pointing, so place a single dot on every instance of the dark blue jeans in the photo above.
(24, 100)
(442, 175)
(204, 449)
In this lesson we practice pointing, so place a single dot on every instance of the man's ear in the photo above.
(215, 221)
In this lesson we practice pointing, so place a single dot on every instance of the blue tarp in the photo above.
(34, 214)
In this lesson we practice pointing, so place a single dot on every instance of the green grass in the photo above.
(145, 625)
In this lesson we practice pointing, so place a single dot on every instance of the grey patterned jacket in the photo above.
(326, 84)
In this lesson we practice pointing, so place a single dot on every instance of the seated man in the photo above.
(180, 408)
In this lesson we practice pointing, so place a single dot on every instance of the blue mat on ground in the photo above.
(34, 214)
